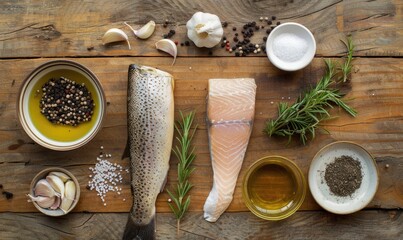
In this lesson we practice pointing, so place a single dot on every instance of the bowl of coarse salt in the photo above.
(290, 46)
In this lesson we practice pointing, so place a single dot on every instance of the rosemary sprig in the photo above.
(185, 154)
(303, 117)
(347, 66)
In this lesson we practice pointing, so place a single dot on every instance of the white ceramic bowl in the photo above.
(42, 131)
(42, 175)
(300, 34)
(321, 192)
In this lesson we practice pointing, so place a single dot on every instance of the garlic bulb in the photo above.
(115, 35)
(205, 29)
(69, 195)
(145, 32)
(43, 202)
(167, 46)
(56, 183)
(43, 188)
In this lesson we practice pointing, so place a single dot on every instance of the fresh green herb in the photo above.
(185, 154)
(347, 66)
(303, 117)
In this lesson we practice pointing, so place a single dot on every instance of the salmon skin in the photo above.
(150, 123)
(230, 114)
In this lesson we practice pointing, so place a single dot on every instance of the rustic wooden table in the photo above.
(34, 32)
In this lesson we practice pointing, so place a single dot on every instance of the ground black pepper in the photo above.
(343, 176)
(66, 102)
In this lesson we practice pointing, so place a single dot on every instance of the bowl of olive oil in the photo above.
(273, 188)
(61, 105)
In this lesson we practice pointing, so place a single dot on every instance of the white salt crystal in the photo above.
(289, 47)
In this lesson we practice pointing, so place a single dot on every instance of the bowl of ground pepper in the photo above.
(61, 105)
(343, 177)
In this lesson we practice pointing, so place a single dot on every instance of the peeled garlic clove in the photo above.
(43, 188)
(56, 183)
(115, 35)
(145, 32)
(167, 46)
(64, 177)
(56, 204)
(69, 195)
(43, 202)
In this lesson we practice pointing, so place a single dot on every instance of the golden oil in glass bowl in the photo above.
(274, 188)
(59, 132)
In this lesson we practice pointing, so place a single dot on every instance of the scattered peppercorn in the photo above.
(210, 53)
(268, 31)
(237, 54)
(236, 39)
(225, 24)
(164, 25)
(165, 36)
(264, 39)
(278, 23)
(182, 44)
(187, 43)
(90, 48)
(273, 17)
(234, 29)
(8, 195)
(222, 45)
(269, 22)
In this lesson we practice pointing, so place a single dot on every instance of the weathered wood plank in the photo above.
(68, 28)
(370, 224)
(376, 91)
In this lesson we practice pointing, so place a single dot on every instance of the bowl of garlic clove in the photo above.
(54, 191)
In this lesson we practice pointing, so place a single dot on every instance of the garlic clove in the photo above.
(56, 204)
(167, 46)
(64, 177)
(43, 202)
(144, 32)
(69, 195)
(115, 35)
(56, 183)
(43, 188)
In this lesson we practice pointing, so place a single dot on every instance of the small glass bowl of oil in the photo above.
(273, 188)
(41, 130)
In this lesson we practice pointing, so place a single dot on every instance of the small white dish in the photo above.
(321, 192)
(298, 34)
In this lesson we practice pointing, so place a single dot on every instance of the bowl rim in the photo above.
(282, 67)
(44, 172)
(20, 103)
(285, 162)
(376, 176)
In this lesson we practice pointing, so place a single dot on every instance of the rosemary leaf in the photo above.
(304, 116)
(185, 154)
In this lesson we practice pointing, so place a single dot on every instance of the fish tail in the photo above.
(139, 231)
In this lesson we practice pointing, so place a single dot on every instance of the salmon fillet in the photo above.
(230, 113)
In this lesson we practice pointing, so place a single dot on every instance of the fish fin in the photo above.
(126, 152)
(164, 183)
(139, 232)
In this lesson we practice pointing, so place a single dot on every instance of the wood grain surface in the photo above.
(376, 91)
(53, 28)
(370, 224)
(33, 32)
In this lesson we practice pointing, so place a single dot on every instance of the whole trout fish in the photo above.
(150, 122)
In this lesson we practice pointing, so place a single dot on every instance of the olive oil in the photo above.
(62, 133)
(272, 188)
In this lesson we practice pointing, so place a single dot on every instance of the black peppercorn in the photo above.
(8, 195)
(236, 39)
(265, 39)
(273, 17)
(237, 54)
(224, 24)
(187, 43)
(234, 29)
(222, 45)
(278, 23)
